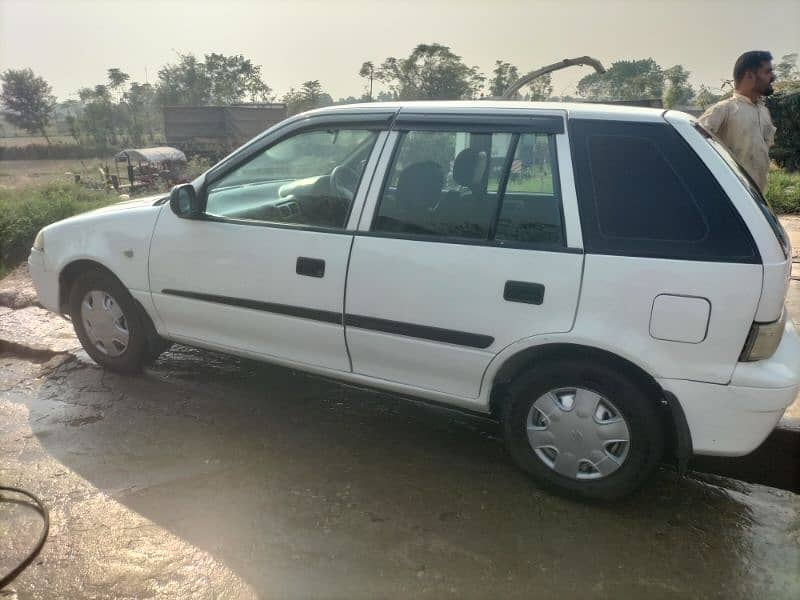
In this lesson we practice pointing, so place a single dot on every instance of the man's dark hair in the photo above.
(749, 61)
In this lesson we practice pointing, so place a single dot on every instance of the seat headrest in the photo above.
(420, 184)
(469, 167)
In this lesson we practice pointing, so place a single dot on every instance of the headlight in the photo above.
(38, 243)
(763, 340)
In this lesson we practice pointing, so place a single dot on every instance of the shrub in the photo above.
(23, 212)
(783, 191)
(785, 110)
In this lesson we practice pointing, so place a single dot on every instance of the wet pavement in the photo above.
(214, 477)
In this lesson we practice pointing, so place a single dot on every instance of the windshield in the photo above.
(750, 185)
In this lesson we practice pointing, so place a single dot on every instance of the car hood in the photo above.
(128, 204)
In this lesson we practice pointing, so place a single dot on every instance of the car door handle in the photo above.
(523, 291)
(310, 267)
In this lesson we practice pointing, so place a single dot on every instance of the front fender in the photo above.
(119, 241)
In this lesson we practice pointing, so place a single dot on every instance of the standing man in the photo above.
(742, 121)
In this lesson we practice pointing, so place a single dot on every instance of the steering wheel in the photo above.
(344, 182)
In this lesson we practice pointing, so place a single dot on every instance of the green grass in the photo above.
(537, 183)
(783, 191)
(23, 212)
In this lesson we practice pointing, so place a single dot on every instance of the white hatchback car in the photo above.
(606, 281)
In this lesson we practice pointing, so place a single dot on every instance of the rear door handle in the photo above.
(310, 267)
(524, 291)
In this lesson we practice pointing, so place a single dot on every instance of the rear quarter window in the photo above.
(644, 192)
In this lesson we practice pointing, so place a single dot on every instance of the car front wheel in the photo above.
(583, 429)
(108, 322)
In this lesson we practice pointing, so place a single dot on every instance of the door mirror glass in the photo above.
(184, 202)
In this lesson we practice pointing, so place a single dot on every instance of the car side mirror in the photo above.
(184, 202)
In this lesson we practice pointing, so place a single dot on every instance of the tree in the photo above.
(349, 100)
(504, 75)
(27, 100)
(144, 114)
(184, 83)
(679, 91)
(97, 119)
(624, 80)
(540, 88)
(308, 97)
(786, 69)
(235, 79)
(367, 71)
(431, 72)
(476, 81)
(385, 97)
(218, 79)
(116, 79)
(705, 97)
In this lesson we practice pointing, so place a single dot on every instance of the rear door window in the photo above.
(531, 208)
(499, 187)
(644, 192)
(437, 184)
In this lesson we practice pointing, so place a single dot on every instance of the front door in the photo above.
(264, 271)
(462, 251)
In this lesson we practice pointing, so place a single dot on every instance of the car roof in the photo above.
(572, 109)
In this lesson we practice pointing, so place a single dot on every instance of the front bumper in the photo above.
(45, 282)
(734, 419)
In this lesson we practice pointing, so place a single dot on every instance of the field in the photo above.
(24, 173)
(14, 142)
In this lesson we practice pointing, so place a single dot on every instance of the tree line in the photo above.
(122, 111)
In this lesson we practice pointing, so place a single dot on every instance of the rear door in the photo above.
(469, 241)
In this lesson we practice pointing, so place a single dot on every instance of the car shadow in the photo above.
(306, 487)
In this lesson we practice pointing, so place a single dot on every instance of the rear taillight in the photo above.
(763, 340)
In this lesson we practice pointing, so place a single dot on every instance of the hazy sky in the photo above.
(72, 43)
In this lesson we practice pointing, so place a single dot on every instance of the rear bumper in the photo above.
(734, 419)
(45, 282)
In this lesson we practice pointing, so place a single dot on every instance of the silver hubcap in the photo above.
(578, 433)
(105, 323)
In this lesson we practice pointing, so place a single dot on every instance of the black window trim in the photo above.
(505, 175)
(436, 239)
(491, 243)
(408, 120)
(275, 224)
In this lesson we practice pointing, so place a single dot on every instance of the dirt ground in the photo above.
(214, 477)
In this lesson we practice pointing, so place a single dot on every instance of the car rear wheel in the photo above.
(583, 429)
(108, 322)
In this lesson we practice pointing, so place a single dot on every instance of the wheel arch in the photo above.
(673, 420)
(71, 271)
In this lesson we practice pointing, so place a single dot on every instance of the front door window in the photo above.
(308, 179)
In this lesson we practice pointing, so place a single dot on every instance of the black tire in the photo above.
(134, 356)
(632, 400)
(156, 346)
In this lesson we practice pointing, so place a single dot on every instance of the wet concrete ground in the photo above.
(212, 477)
